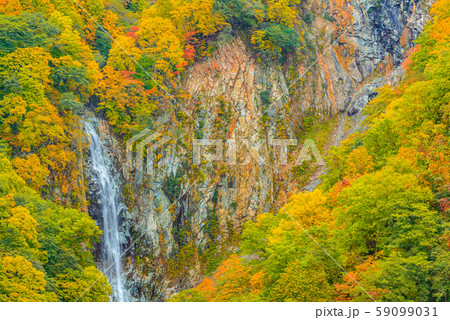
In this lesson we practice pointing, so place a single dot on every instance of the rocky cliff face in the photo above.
(369, 40)
(243, 104)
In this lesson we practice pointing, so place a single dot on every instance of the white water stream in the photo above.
(110, 206)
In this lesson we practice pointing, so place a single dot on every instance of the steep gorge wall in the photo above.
(369, 40)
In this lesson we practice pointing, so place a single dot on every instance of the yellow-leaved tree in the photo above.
(282, 11)
(20, 281)
(31, 170)
(158, 38)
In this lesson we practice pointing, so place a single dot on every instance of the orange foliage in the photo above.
(349, 290)
(132, 32)
(10, 7)
(407, 62)
(124, 99)
(31, 170)
(337, 189)
(111, 24)
(232, 279)
(441, 30)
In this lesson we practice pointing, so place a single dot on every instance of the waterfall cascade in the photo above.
(110, 206)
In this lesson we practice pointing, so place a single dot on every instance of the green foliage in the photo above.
(147, 62)
(212, 225)
(282, 37)
(401, 221)
(240, 14)
(254, 235)
(172, 186)
(68, 77)
(137, 5)
(24, 31)
(298, 283)
(270, 23)
(265, 97)
(326, 16)
(42, 243)
(180, 265)
(308, 17)
(225, 36)
(102, 43)
(210, 258)
(88, 285)
(382, 140)
(275, 40)
(68, 102)
(382, 211)
(46, 75)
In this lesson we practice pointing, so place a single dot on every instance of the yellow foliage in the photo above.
(10, 7)
(305, 210)
(358, 162)
(158, 37)
(71, 43)
(282, 11)
(194, 15)
(261, 41)
(22, 220)
(118, 55)
(31, 170)
(20, 281)
(12, 110)
(41, 124)
(31, 66)
(111, 24)
(69, 40)
(308, 208)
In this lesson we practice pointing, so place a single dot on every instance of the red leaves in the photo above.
(337, 188)
(132, 32)
(189, 37)
(215, 65)
(128, 75)
(407, 62)
(190, 41)
(189, 52)
(444, 204)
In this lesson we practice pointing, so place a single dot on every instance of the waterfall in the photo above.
(110, 207)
